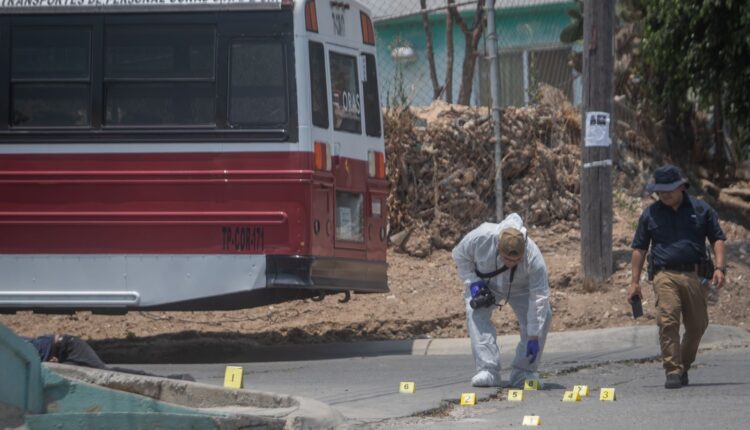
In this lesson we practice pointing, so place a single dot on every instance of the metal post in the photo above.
(596, 145)
(495, 93)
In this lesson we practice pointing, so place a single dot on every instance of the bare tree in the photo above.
(471, 38)
(436, 88)
(449, 53)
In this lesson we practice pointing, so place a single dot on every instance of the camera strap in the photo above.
(490, 275)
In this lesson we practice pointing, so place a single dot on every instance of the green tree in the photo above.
(697, 54)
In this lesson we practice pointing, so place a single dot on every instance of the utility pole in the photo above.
(596, 151)
(495, 93)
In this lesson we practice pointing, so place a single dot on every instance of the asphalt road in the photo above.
(364, 386)
(718, 397)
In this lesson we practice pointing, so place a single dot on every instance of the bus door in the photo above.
(349, 161)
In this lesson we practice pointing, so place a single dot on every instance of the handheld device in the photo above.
(637, 307)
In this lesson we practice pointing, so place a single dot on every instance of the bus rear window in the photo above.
(372, 100)
(258, 93)
(345, 93)
(318, 86)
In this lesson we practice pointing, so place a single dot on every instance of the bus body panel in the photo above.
(119, 218)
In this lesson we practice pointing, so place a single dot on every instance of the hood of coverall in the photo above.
(512, 221)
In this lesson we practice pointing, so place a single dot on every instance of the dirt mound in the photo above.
(442, 169)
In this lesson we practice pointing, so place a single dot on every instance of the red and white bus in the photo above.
(188, 154)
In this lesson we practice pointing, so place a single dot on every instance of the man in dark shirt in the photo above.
(58, 348)
(676, 227)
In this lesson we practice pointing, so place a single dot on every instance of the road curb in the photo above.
(228, 408)
(608, 341)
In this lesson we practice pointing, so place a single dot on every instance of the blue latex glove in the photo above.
(532, 349)
(475, 287)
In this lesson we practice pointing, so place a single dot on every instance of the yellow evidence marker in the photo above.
(531, 420)
(468, 399)
(583, 390)
(233, 377)
(571, 396)
(531, 384)
(406, 388)
(607, 395)
(515, 395)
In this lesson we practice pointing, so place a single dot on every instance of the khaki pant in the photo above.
(679, 293)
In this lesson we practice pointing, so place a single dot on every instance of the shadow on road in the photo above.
(191, 347)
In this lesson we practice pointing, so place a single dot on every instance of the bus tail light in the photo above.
(368, 35)
(311, 16)
(376, 164)
(322, 156)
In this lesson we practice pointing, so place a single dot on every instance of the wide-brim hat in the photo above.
(667, 178)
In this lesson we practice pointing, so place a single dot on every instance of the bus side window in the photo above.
(372, 99)
(347, 114)
(50, 78)
(258, 91)
(159, 75)
(318, 85)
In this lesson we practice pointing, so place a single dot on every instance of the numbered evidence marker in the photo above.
(406, 388)
(531, 420)
(515, 395)
(583, 390)
(607, 394)
(531, 384)
(468, 399)
(571, 396)
(233, 377)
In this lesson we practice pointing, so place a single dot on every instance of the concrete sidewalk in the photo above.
(597, 345)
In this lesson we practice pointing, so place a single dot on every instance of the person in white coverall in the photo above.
(524, 284)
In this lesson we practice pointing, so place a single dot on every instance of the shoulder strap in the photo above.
(490, 274)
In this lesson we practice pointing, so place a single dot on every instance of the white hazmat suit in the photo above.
(528, 295)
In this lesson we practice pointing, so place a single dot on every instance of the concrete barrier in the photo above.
(228, 408)
(21, 386)
(36, 397)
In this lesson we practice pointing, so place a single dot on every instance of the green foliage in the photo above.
(630, 10)
(573, 32)
(698, 52)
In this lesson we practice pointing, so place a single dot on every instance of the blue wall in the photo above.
(516, 28)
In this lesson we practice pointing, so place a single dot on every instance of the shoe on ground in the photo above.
(684, 378)
(674, 380)
(484, 378)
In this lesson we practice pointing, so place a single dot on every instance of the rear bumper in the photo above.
(296, 278)
(326, 274)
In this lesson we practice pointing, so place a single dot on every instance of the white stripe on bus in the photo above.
(112, 279)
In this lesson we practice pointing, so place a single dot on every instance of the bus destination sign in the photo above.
(36, 5)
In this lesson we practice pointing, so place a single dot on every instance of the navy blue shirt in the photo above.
(677, 236)
(43, 345)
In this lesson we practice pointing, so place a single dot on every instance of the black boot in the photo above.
(673, 381)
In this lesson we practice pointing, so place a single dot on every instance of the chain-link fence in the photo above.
(529, 51)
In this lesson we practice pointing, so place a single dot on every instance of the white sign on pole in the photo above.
(597, 129)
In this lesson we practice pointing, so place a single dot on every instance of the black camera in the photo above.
(483, 299)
